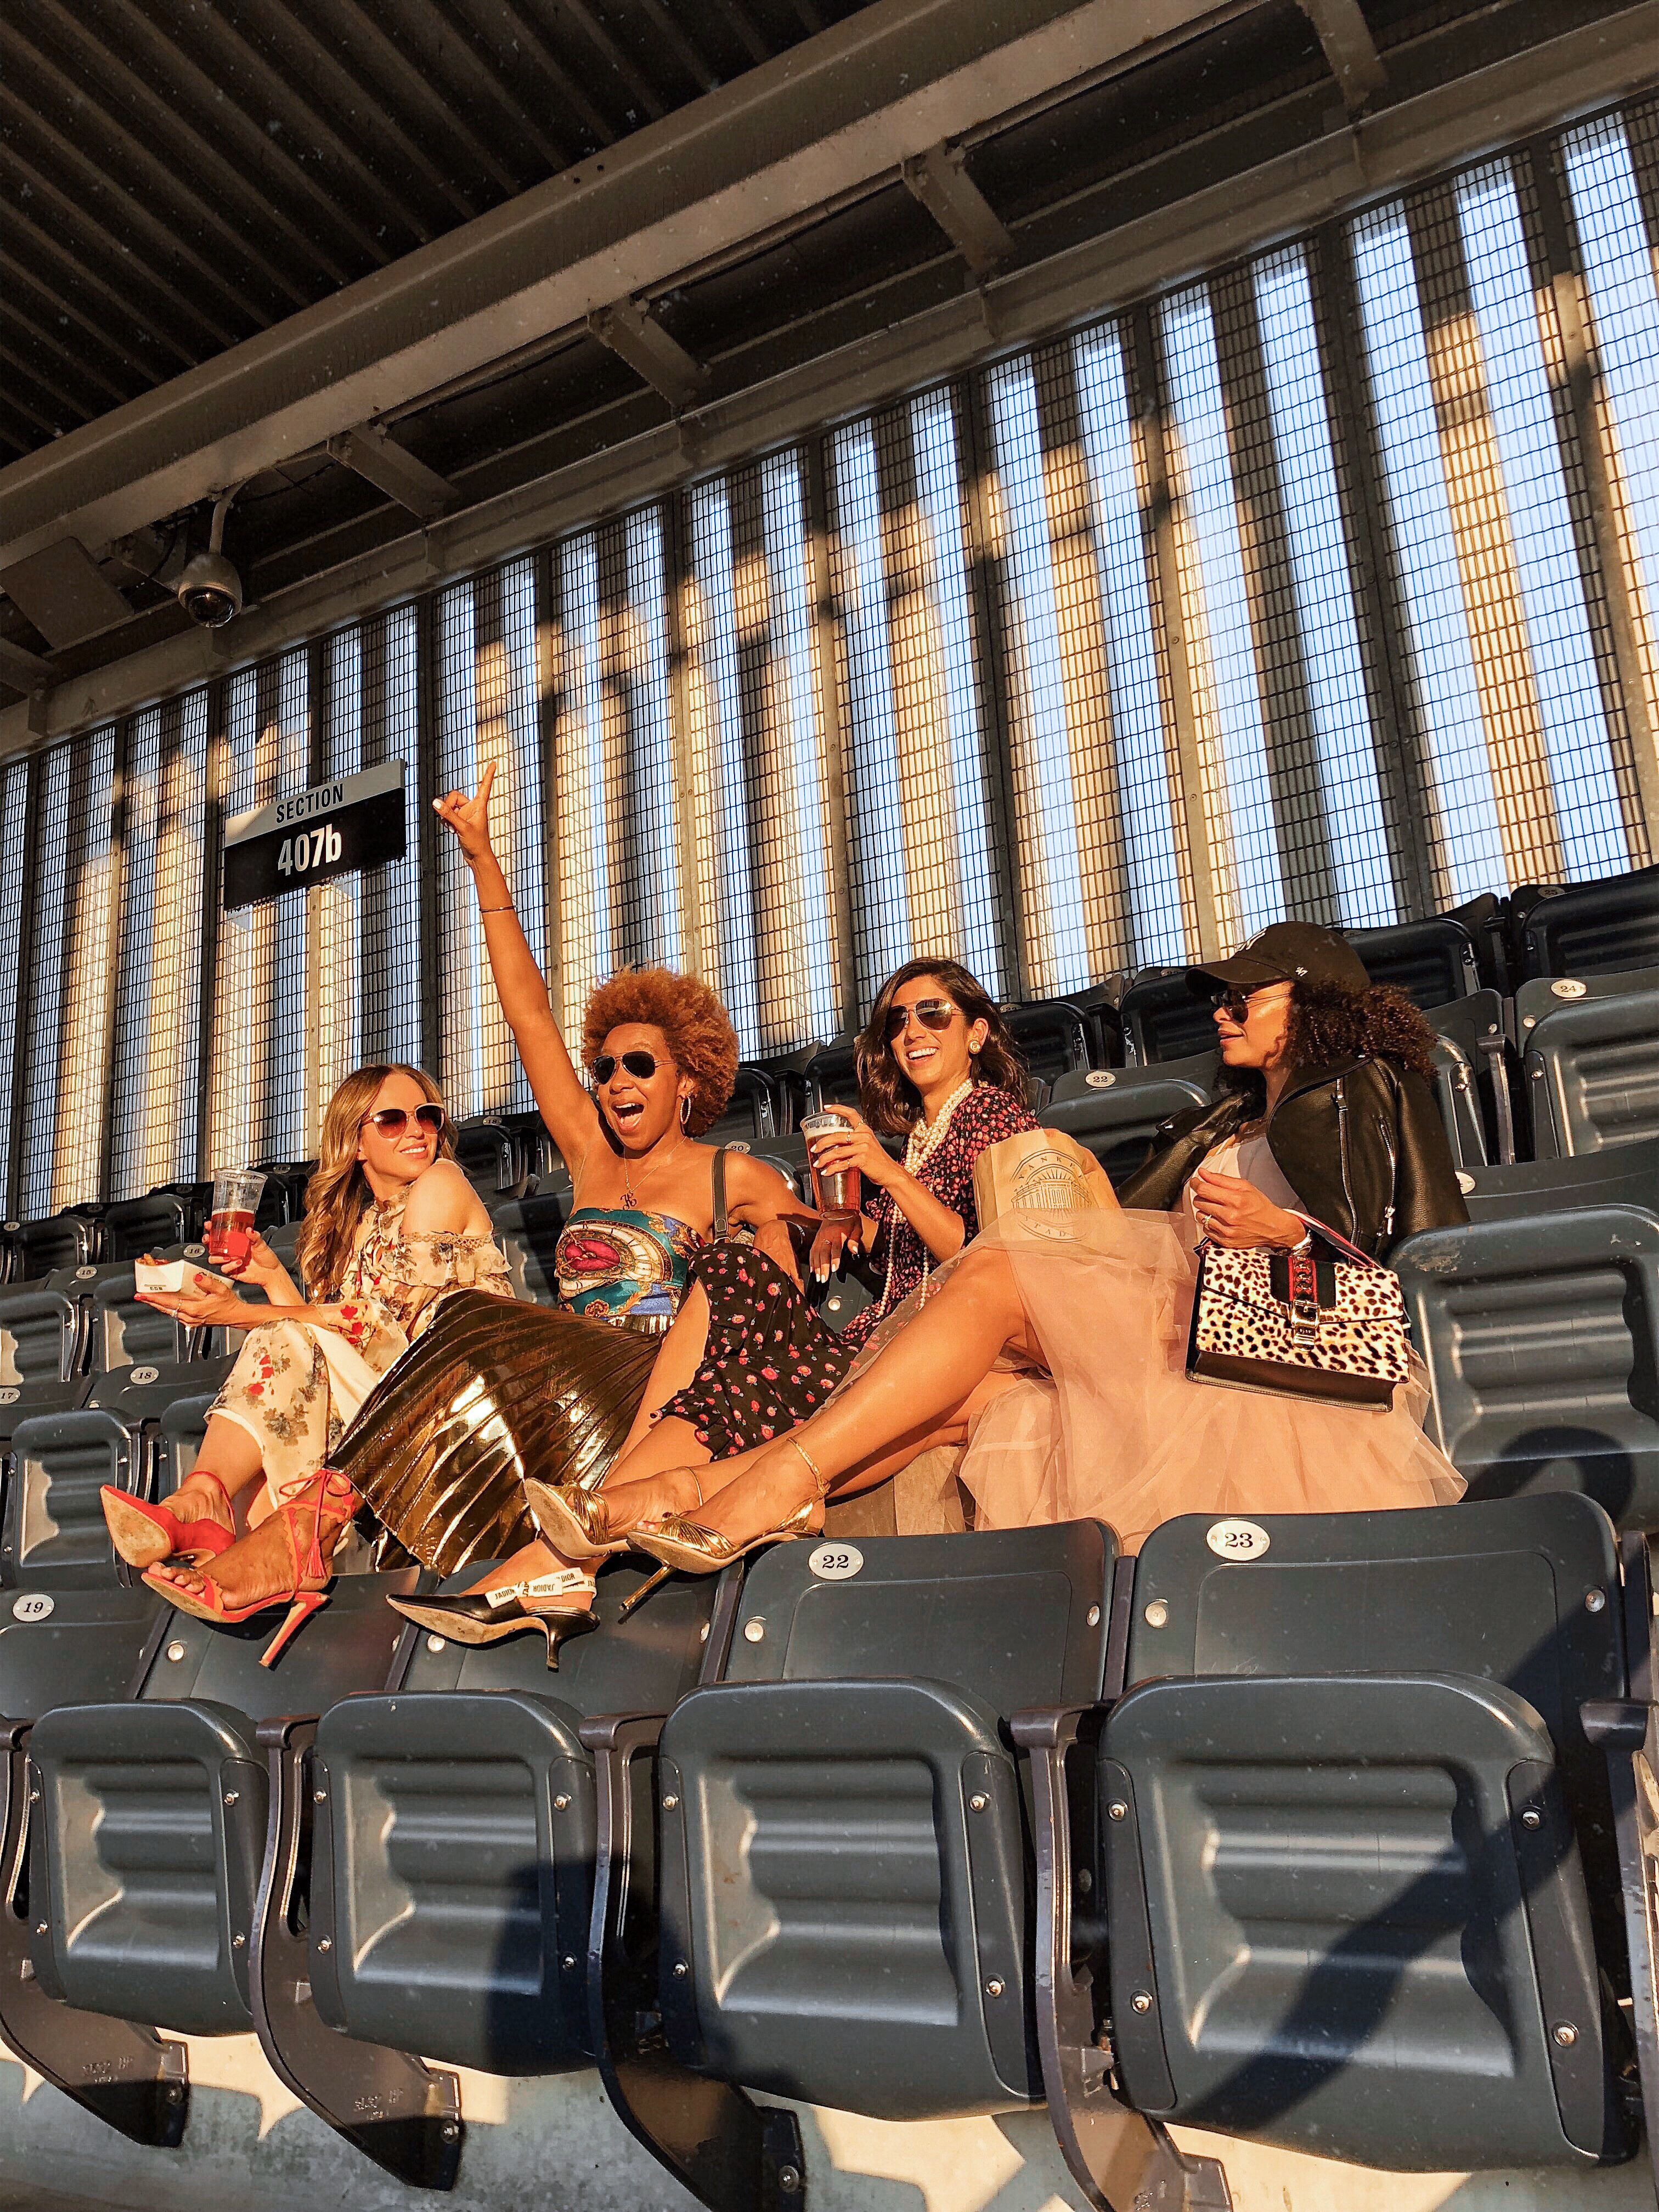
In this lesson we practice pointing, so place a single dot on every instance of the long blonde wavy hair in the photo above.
(337, 1196)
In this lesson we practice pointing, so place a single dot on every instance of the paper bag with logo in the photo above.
(1035, 1179)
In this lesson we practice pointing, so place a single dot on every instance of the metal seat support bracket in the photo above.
(1120, 2160)
(125, 2075)
(389, 2105)
(733, 2154)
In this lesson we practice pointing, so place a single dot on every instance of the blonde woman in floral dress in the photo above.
(391, 1227)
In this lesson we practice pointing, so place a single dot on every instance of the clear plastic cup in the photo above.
(835, 1195)
(230, 1235)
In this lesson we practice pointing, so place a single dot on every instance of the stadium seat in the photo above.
(830, 1075)
(70, 1239)
(489, 1155)
(1117, 1112)
(1164, 1019)
(147, 1837)
(121, 1331)
(1471, 1078)
(1591, 929)
(1541, 1337)
(1353, 1825)
(1592, 1061)
(1054, 1037)
(39, 1332)
(528, 1230)
(1624, 1175)
(419, 1940)
(757, 1110)
(846, 1912)
(1434, 962)
(165, 1406)
(152, 1224)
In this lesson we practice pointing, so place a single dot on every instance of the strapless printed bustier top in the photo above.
(620, 1264)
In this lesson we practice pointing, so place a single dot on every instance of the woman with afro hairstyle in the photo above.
(1059, 1359)
(661, 1057)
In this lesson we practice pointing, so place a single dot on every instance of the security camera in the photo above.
(209, 588)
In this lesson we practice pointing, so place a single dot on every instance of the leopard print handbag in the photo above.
(1299, 1324)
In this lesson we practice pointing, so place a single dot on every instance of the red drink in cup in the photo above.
(229, 1236)
(836, 1194)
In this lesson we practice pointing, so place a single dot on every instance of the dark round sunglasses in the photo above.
(641, 1064)
(931, 1013)
(392, 1121)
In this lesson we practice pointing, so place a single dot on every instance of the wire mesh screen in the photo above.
(1094, 775)
(918, 767)
(14, 834)
(1612, 176)
(259, 1083)
(610, 689)
(65, 1046)
(154, 1101)
(389, 897)
(1326, 584)
(761, 801)
(1504, 613)
(488, 693)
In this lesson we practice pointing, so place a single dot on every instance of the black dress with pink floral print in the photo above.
(770, 1362)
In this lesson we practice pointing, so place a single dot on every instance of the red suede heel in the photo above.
(325, 1494)
(145, 1534)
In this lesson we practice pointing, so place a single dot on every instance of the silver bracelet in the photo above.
(508, 908)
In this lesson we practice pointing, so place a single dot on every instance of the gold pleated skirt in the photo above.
(491, 1391)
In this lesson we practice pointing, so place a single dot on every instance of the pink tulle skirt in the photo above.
(1116, 1431)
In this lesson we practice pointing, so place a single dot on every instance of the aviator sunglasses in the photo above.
(392, 1121)
(643, 1065)
(931, 1013)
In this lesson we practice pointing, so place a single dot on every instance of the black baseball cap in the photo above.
(1284, 952)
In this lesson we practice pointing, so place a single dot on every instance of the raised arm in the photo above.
(563, 1099)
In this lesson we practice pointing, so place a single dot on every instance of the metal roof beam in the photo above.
(1349, 48)
(939, 179)
(890, 81)
(22, 670)
(393, 469)
(1543, 88)
(633, 335)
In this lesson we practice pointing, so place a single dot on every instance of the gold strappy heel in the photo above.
(680, 1542)
(687, 1547)
(572, 1520)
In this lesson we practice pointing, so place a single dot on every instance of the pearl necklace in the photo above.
(924, 1140)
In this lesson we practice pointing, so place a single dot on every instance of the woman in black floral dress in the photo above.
(747, 1359)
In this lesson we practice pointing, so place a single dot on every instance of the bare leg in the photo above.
(923, 1388)
(228, 1454)
(655, 1477)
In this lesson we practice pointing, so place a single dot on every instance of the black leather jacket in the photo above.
(1362, 1145)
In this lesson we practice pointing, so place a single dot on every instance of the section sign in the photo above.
(352, 822)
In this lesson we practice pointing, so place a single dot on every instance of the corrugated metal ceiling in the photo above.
(178, 175)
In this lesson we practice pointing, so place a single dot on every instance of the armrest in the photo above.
(621, 1734)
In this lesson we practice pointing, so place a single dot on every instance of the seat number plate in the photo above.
(1237, 1540)
(36, 1606)
(836, 1563)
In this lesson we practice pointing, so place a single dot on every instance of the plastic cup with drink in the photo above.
(836, 1193)
(229, 1234)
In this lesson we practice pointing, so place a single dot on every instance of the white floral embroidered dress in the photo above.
(295, 1386)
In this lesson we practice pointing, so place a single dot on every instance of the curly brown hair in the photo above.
(1330, 1023)
(696, 1029)
(891, 1102)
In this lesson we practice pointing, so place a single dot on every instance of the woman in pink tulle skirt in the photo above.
(1054, 1349)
